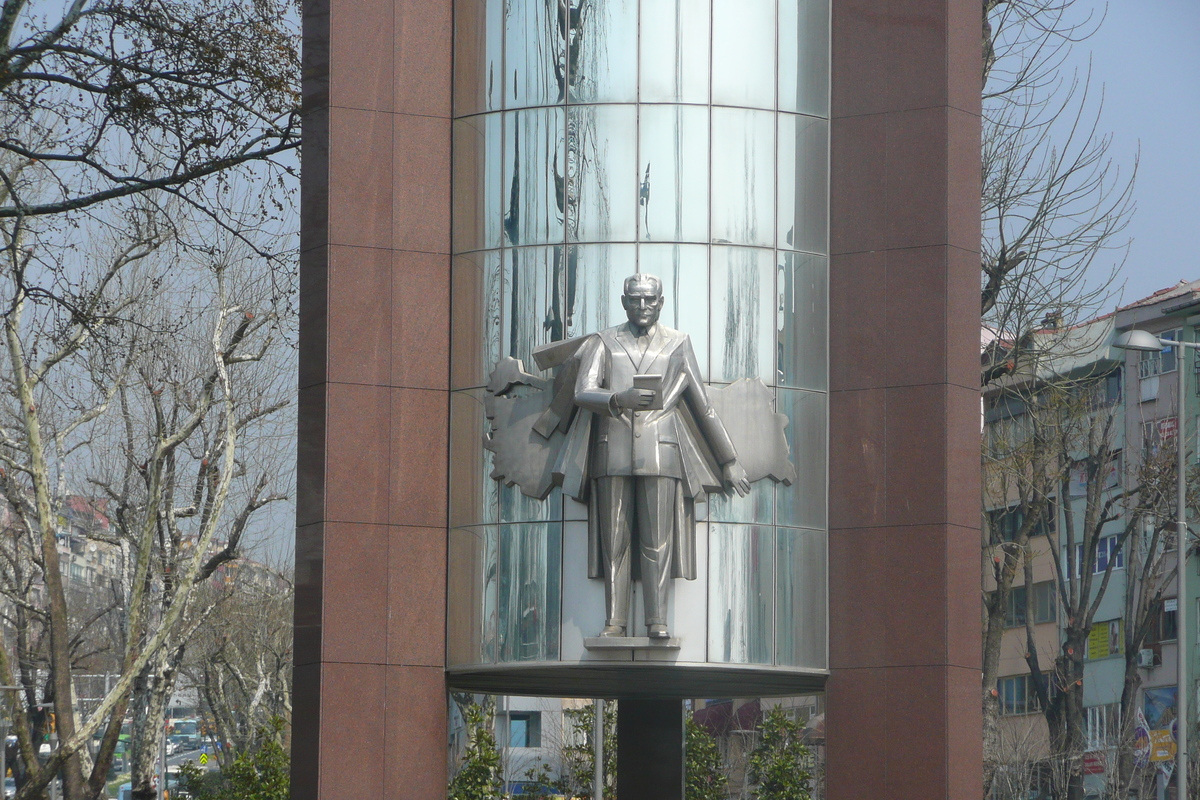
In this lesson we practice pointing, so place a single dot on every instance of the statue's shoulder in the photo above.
(675, 339)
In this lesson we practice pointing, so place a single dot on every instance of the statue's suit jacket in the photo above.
(684, 439)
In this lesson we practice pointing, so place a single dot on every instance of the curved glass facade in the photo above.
(684, 138)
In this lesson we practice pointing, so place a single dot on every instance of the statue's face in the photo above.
(642, 305)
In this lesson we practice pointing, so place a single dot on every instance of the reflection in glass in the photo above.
(603, 51)
(534, 61)
(602, 182)
(743, 49)
(673, 173)
(758, 506)
(674, 51)
(743, 177)
(532, 176)
(803, 287)
(477, 188)
(517, 507)
(529, 588)
(800, 599)
(683, 269)
(803, 183)
(804, 56)
(743, 314)
(473, 493)
(740, 586)
(803, 503)
(468, 606)
(478, 78)
(534, 300)
(594, 276)
(475, 318)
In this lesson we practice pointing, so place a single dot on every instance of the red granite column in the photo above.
(371, 514)
(904, 702)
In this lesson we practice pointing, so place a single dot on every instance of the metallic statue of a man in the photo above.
(654, 423)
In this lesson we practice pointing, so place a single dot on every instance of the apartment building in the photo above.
(1132, 559)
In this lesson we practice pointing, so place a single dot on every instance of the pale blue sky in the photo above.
(1147, 54)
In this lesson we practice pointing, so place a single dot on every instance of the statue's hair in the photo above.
(643, 279)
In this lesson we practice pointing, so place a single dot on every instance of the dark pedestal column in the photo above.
(650, 749)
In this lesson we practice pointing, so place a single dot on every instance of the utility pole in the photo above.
(598, 747)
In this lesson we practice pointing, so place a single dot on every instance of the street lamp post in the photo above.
(1143, 341)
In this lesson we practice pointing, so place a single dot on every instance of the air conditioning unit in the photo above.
(1146, 658)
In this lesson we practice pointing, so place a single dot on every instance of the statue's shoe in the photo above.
(657, 631)
(613, 631)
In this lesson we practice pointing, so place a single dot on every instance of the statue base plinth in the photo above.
(629, 643)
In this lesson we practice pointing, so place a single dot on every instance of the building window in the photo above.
(1108, 550)
(1103, 724)
(1168, 624)
(1005, 523)
(1018, 695)
(1112, 387)
(525, 729)
(1163, 361)
(1043, 606)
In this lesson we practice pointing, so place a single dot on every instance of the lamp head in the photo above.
(1141, 341)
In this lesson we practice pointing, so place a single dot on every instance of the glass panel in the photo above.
(758, 506)
(743, 177)
(478, 47)
(804, 56)
(603, 51)
(674, 51)
(743, 314)
(743, 65)
(595, 273)
(534, 64)
(518, 507)
(475, 318)
(477, 186)
(803, 286)
(490, 595)
(673, 173)
(803, 503)
(533, 175)
(801, 599)
(683, 269)
(740, 604)
(468, 606)
(473, 492)
(803, 183)
(534, 300)
(529, 596)
(602, 174)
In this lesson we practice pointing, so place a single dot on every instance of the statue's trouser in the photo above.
(651, 499)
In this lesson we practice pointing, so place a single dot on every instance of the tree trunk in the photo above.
(150, 697)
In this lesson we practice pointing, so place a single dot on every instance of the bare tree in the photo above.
(1055, 202)
(240, 661)
(149, 381)
(115, 98)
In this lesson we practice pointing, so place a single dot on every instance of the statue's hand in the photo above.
(735, 476)
(635, 398)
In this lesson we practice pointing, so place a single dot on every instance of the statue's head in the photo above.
(643, 299)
